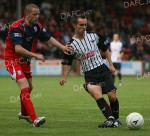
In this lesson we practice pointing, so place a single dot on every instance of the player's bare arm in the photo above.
(121, 55)
(22, 51)
(108, 56)
(66, 69)
(54, 42)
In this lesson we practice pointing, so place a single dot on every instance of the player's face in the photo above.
(81, 26)
(33, 16)
(116, 37)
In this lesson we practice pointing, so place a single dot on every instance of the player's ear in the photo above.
(74, 25)
(27, 14)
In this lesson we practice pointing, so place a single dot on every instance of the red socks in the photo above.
(27, 108)
(23, 109)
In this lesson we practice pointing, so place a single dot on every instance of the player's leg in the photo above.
(114, 103)
(95, 80)
(26, 102)
(120, 77)
(23, 112)
(96, 92)
(118, 68)
(25, 98)
(30, 84)
(16, 73)
(110, 90)
(25, 67)
(38, 120)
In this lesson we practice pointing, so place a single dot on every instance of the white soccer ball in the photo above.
(135, 120)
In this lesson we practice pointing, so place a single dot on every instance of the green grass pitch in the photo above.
(69, 110)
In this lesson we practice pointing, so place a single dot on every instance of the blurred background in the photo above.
(68, 110)
(130, 20)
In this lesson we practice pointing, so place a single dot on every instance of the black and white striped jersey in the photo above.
(87, 51)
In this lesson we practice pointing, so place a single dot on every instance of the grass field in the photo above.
(69, 110)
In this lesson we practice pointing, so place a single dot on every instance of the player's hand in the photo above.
(112, 69)
(68, 49)
(62, 82)
(40, 57)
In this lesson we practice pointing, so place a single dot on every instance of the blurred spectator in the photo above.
(106, 17)
(2, 47)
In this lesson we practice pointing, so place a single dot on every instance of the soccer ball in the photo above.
(135, 120)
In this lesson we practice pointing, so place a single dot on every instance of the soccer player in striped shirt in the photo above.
(98, 78)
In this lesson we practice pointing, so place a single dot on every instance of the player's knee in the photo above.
(95, 93)
(25, 93)
(112, 96)
(23, 83)
(96, 96)
(85, 86)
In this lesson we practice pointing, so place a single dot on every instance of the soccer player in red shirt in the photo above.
(21, 45)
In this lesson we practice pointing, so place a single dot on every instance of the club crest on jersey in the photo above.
(17, 35)
(106, 42)
(19, 72)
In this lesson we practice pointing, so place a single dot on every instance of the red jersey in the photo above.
(21, 34)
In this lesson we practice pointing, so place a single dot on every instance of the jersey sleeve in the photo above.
(16, 36)
(44, 36)
(67, 59)
(102, 42)
(122, 48)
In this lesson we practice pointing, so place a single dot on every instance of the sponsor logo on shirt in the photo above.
(88, 55)
(17, 35)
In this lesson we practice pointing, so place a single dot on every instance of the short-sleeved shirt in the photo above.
(87, 51)
(21, 34)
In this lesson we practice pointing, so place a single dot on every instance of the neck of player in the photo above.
(79, 36)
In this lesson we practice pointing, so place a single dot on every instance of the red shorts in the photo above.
(18, 70)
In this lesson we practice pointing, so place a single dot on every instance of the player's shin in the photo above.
(115, 108)
(23, 109)
(104, 108)
(26, 101)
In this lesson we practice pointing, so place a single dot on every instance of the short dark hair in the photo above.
(29, 8)
(76, 17)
